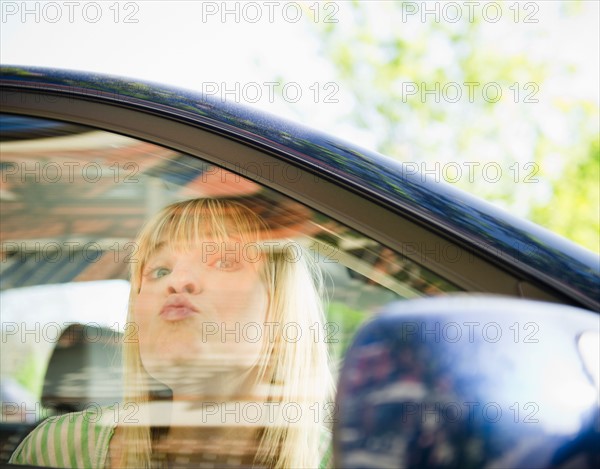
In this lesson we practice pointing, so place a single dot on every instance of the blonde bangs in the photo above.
(187, 224)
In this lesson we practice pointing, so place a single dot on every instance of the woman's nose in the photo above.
(185, 280)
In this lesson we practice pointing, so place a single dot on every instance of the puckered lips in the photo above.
(177, 308)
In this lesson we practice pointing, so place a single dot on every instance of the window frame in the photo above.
(480, 274)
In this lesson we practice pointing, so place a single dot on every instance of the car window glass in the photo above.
(72, 201)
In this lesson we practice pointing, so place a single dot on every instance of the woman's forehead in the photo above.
(209, 246)
(206, 250)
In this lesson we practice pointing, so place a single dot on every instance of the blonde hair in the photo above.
(295, 372)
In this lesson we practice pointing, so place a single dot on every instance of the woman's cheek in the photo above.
(141, 314)
(243, 306)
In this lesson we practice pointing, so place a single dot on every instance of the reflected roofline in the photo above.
(493, 231)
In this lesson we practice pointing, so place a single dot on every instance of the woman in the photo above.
(222, 315)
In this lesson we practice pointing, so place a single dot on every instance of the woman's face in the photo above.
(203, 308)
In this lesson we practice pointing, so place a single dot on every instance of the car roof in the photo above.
(455, 214)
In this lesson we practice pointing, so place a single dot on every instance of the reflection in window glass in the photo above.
(73, 200)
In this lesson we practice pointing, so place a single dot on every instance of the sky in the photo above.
(178, 43)
(244, 47)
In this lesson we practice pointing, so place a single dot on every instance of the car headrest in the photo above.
(84, 370)
(467, 381)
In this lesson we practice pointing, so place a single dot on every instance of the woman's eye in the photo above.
(225, 264)
(159, 272)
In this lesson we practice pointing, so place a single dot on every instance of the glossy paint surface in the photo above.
(470, 382)
(509, 241)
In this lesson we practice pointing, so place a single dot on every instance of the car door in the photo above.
(82, 172)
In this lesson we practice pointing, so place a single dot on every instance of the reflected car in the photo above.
(86, 159)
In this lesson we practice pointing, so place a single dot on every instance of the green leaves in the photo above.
(494, 93)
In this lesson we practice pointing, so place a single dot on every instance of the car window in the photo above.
(73, 200)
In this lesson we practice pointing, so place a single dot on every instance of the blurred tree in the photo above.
(574, 208)
(488, 106)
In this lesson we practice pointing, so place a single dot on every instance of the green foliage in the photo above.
(576, 199)
(31, 374)
(343, 322)
(543, 139)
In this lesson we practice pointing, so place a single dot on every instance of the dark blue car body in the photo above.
(514, 244)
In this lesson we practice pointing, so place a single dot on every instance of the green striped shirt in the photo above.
(74, 440)
(79, 440)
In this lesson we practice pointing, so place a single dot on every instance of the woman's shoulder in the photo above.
(78, 439)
